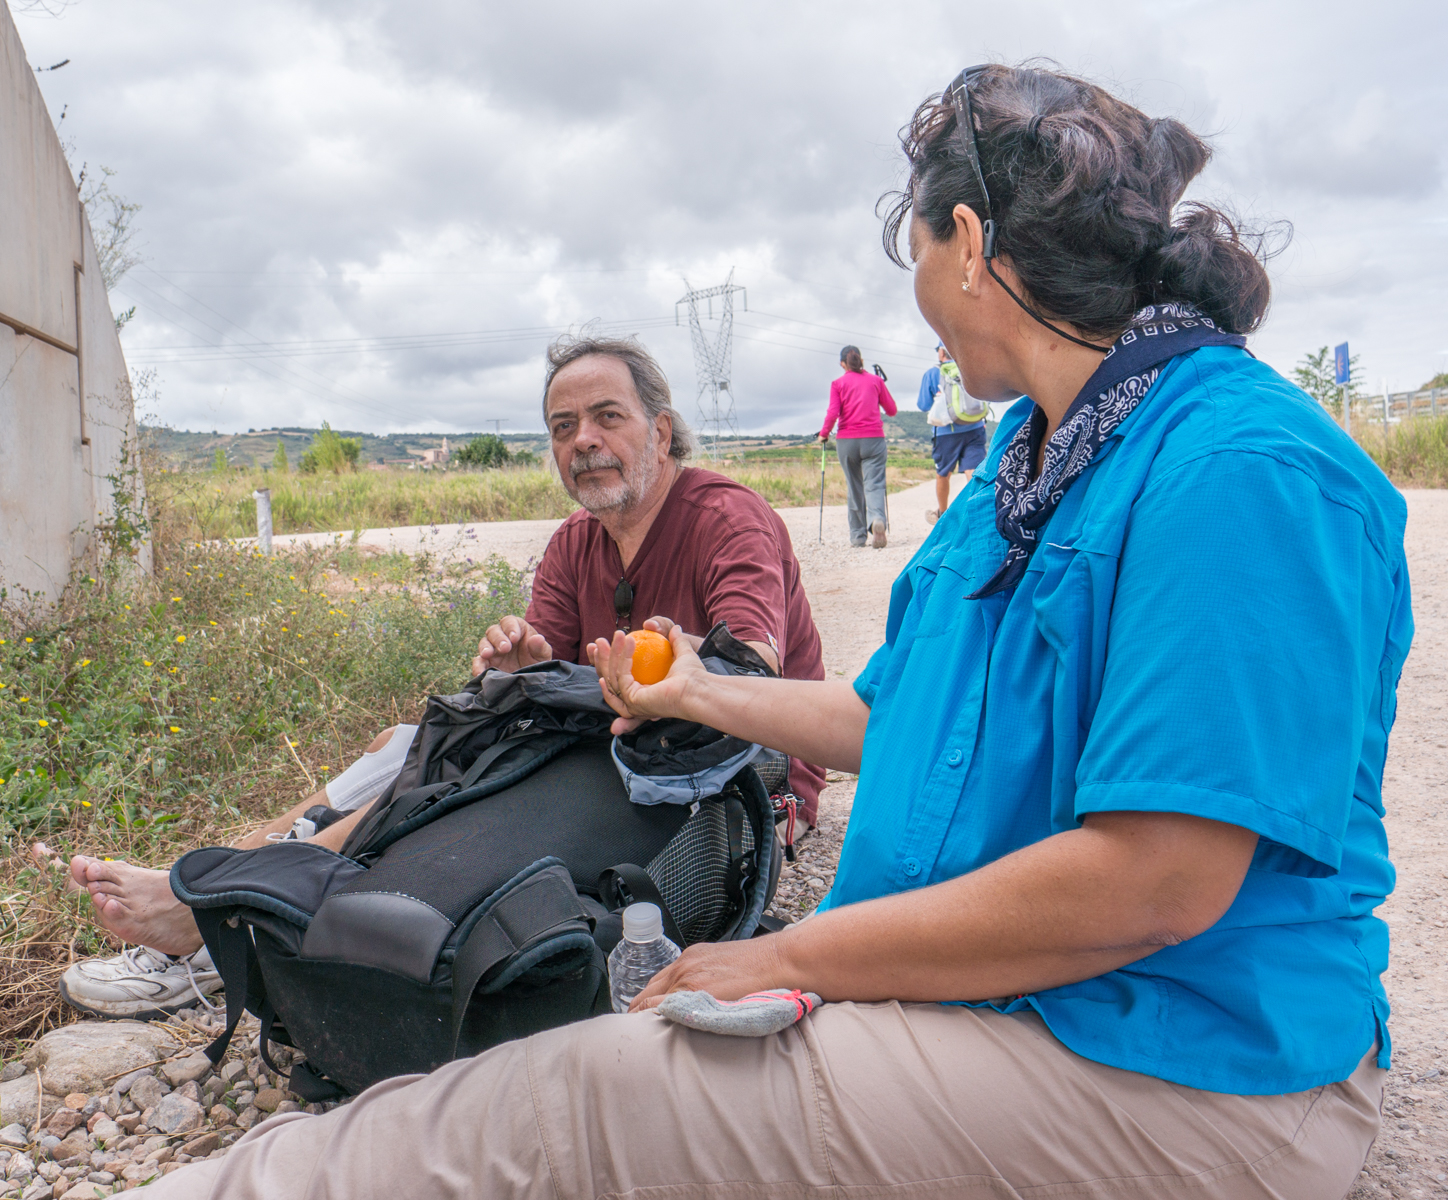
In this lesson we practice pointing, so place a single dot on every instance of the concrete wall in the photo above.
(65, 397)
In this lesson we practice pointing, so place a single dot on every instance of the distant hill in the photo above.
(186, 448)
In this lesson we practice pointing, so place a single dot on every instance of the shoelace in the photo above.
(142, 960)
(190, 975)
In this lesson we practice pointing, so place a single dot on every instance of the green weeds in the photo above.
(145, 716)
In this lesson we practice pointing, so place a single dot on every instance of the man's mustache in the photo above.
(599, 460)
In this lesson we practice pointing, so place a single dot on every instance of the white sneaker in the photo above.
(140, 983)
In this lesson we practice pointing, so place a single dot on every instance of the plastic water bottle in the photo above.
(642, 954)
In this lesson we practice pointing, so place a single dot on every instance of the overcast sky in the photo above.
(378, 213)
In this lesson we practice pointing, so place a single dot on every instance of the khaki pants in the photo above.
(914, 1100)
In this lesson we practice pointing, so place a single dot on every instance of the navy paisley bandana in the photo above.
(1157, 334)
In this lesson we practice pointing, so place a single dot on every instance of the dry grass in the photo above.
(201, 507)
(1412, 453)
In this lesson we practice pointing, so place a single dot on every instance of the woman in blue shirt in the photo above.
(1121, 754)
(1120, 763)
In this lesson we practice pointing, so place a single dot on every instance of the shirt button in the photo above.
(912, 867)
(955, 758)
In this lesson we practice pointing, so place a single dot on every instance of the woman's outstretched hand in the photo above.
(636, 702)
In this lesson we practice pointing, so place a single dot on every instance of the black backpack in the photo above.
(478, 899)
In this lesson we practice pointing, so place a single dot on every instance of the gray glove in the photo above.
(756, 1015)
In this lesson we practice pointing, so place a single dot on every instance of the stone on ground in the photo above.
(17, 1102)
(148, 1091)
(186, 1070)
(88, 1056)
(177, 1114)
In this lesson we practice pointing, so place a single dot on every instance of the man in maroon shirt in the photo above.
(655, 541)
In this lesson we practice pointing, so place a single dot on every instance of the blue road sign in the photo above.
(1343, 365)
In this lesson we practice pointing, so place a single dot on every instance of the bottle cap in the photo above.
(643, 922)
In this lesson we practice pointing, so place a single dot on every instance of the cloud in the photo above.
(376, 214)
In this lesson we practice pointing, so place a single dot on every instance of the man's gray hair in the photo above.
(648, 380)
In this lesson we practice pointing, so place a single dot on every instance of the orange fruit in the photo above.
(652, 656)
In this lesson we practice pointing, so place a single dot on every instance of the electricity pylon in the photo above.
(713, 358)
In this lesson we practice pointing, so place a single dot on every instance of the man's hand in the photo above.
(666, 626)
(510, 644)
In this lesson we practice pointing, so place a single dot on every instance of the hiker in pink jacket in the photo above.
(856, 399)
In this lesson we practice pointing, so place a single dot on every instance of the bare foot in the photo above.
(48, 860)
(137, 905)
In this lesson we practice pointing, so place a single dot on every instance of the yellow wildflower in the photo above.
(211, 622)
(175, 599)
(180, 637)
(85, 803)
(43, 723)
(174, 728)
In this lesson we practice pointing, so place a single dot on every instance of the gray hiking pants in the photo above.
(864, 462)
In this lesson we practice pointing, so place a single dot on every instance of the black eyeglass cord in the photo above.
(1035, 316)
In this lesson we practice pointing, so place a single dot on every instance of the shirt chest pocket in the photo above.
(1071, 591)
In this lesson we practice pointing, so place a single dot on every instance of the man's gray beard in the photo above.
(615, 497)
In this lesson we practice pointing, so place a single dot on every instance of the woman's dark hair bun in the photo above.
(1086, 193)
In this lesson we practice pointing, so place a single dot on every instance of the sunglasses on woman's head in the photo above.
(959, 93)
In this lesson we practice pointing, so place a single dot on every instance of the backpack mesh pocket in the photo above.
(692, 872)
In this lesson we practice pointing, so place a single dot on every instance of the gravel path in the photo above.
(1411, 1157)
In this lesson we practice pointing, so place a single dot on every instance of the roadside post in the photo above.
(1342, 365)
(263, 519)
(823, 443)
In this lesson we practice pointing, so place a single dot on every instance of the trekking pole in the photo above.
(823, 443)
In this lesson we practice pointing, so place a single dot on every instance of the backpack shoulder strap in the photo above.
(626, 883)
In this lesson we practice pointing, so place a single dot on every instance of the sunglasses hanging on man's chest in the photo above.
(623, 598)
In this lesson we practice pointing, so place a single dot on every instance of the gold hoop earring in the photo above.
(965, 287)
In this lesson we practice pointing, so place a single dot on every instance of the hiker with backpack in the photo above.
(957, 427)
(654, 538)
(1103, 922)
